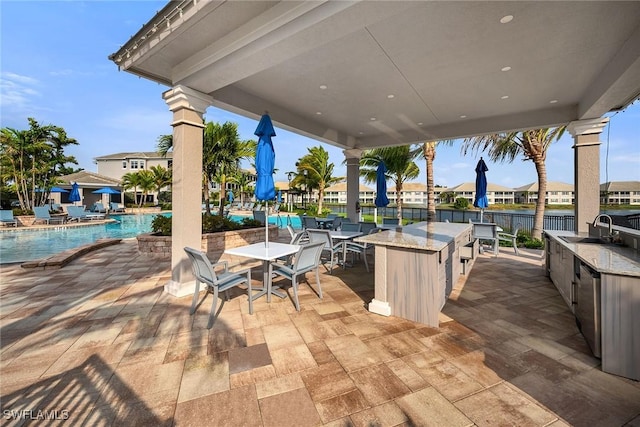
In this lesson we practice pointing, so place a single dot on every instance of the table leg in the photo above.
(267, 282)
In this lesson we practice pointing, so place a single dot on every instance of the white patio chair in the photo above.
(486, 231)
(331, 250)
(204, 271)
(511, 237)
(306, 259)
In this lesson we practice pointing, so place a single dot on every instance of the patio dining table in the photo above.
(324, 223)
(266, 253)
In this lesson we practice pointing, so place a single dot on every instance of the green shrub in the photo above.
(461, 203)
(161, 225)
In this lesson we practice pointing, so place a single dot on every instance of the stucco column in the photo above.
(586, 166)
(353, 181)
(188, 107)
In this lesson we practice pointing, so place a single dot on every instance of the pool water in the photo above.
(27, 245)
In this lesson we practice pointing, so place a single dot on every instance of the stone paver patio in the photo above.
(99, 342)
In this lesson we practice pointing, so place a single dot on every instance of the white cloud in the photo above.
(17, 92)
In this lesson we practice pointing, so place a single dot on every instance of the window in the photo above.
(124, 164)
(134, 164)
(141, 164)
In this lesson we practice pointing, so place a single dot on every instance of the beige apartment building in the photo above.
(620, 193)
(558, 193)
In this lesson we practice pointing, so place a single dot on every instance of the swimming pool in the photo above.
(28, 245)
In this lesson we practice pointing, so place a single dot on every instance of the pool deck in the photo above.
(101, 340)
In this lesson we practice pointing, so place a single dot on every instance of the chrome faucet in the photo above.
(597, 220)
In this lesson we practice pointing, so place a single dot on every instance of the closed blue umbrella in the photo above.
(230, 196)
(381, 188)
(279, 199)
(480, 200)
(74, 196)
(265, 161)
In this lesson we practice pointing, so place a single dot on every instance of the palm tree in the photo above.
(400, 164)
(130, 181)
(147, 184)
(319, 171)
(427, 151)
(165, 144)
(161, 177)
(532, 145)
(222, 151)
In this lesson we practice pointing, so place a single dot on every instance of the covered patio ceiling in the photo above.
(370, 74)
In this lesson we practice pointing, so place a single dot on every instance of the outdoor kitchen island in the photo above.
(416, 268)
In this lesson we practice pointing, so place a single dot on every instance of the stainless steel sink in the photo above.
(579, 239)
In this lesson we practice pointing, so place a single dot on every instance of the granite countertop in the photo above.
(427, 236)
(605, 258)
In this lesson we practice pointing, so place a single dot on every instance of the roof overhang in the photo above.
(374, 73)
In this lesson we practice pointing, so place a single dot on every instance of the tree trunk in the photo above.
(399, 201)
(429, 156)
(223, 194)
(538, 219)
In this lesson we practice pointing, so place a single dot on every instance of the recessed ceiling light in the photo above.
(553, 101)
(319, 113)
(390, 96)
(463, 116)
(504, 97)
(506, 19)
(323, 87)
(360, 133)
(505, 68)
(373, 119)
(420, 124)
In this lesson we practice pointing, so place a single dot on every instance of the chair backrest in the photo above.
(332, 216)
(318, 235)
(516, 229)
(299, 238)
(6, 215)
(485, 230)
(351, 226)
(259, 216)
(337, 222)
(201, 266)
(367, 226)
(75, 211)
(308, 256)
(291, 231)
(41, 212)
(98, 206)
(389, 221)
(309, 222)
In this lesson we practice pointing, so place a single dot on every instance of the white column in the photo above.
(586, 149)
(188, 107)
(353, 181)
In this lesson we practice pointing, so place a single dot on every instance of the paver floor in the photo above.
(99, 342)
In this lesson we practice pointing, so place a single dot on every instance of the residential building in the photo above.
(413, 193)
(558, 193)
(337, 194)
(620, 193)
(496, 194)
(87, 183)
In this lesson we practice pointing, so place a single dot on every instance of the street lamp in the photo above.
(306, 187)
(290, 176)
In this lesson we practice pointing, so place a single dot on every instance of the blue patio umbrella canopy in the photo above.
(58, 190)
(230, 196)
(381, 186)
(480, 200)
(74, 196)
(279, 199)
(265, 162)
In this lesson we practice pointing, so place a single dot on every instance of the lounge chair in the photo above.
(116, 207)
(98, 208)
(6, 218)
(77, 213)
(42, 215)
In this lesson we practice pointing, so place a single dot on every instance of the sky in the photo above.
(54, 67)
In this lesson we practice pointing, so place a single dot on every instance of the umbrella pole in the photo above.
(481, 212)
(266, 224)
(375, 215)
